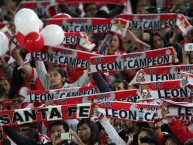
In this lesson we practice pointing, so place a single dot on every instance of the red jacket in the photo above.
(180, 131)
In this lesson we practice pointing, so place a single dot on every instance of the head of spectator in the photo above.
(178, 50)
(4, 82)
(116, 46)
(148, 140)
(9, 8)
(58, 77)
(102, 14)
(18, 79)
(171, 139)
(90, 9)
(12, 4)
(130, 127)
(28, 131)
(26, 128)
(17, 101)
(189, 11)
(56, 128)
(146, 132)
(189, 142)
(142, 6)
(88, 132)
(116, 124)
(119, 84)
(179, 6)
(157, 41)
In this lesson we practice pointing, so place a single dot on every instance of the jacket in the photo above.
(112, 133)
(45, 80)
(180, 130)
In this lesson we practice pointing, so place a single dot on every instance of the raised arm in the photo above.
(16, 137)
(140, 44)
(27, 69)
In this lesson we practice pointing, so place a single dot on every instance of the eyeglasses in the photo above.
(18, 101)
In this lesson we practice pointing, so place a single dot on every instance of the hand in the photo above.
(49, 103)
(88, 66)
(76, 138)
(96, 114)
(164, 111)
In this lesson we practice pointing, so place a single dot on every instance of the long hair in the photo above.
(150, 133)
(16, 82)
(121, 47)
(159, 35)
(178, 49)
(95, 135)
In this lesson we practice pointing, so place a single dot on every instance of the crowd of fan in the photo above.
(15, 84)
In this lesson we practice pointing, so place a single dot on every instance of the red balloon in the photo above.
(20, 38)
(34, 41)
(62, 15)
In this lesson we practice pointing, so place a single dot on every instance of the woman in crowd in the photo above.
(88, 133)
(55, 79)
(147, 132)
(19, 84)
(116, 46)
(157, 41)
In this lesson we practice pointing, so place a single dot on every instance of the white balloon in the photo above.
(4, 44)
(41, 24)
(53, 35)
(26, 21)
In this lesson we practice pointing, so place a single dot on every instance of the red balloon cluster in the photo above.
(34, 41)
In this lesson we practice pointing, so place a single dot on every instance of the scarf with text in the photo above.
(80, 38)
(62, 56)
(124, 95)
(118, 110)
(158, 21)
(157, 57)
(161, 73)
(91, 25)
(45, 95)
(164, 89)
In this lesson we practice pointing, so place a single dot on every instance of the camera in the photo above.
(66, 136)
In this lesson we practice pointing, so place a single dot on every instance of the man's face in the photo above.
(55, 132)
(91, 10)
(128, 125)
(17, 103)
(118, 86)
(24, 131)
